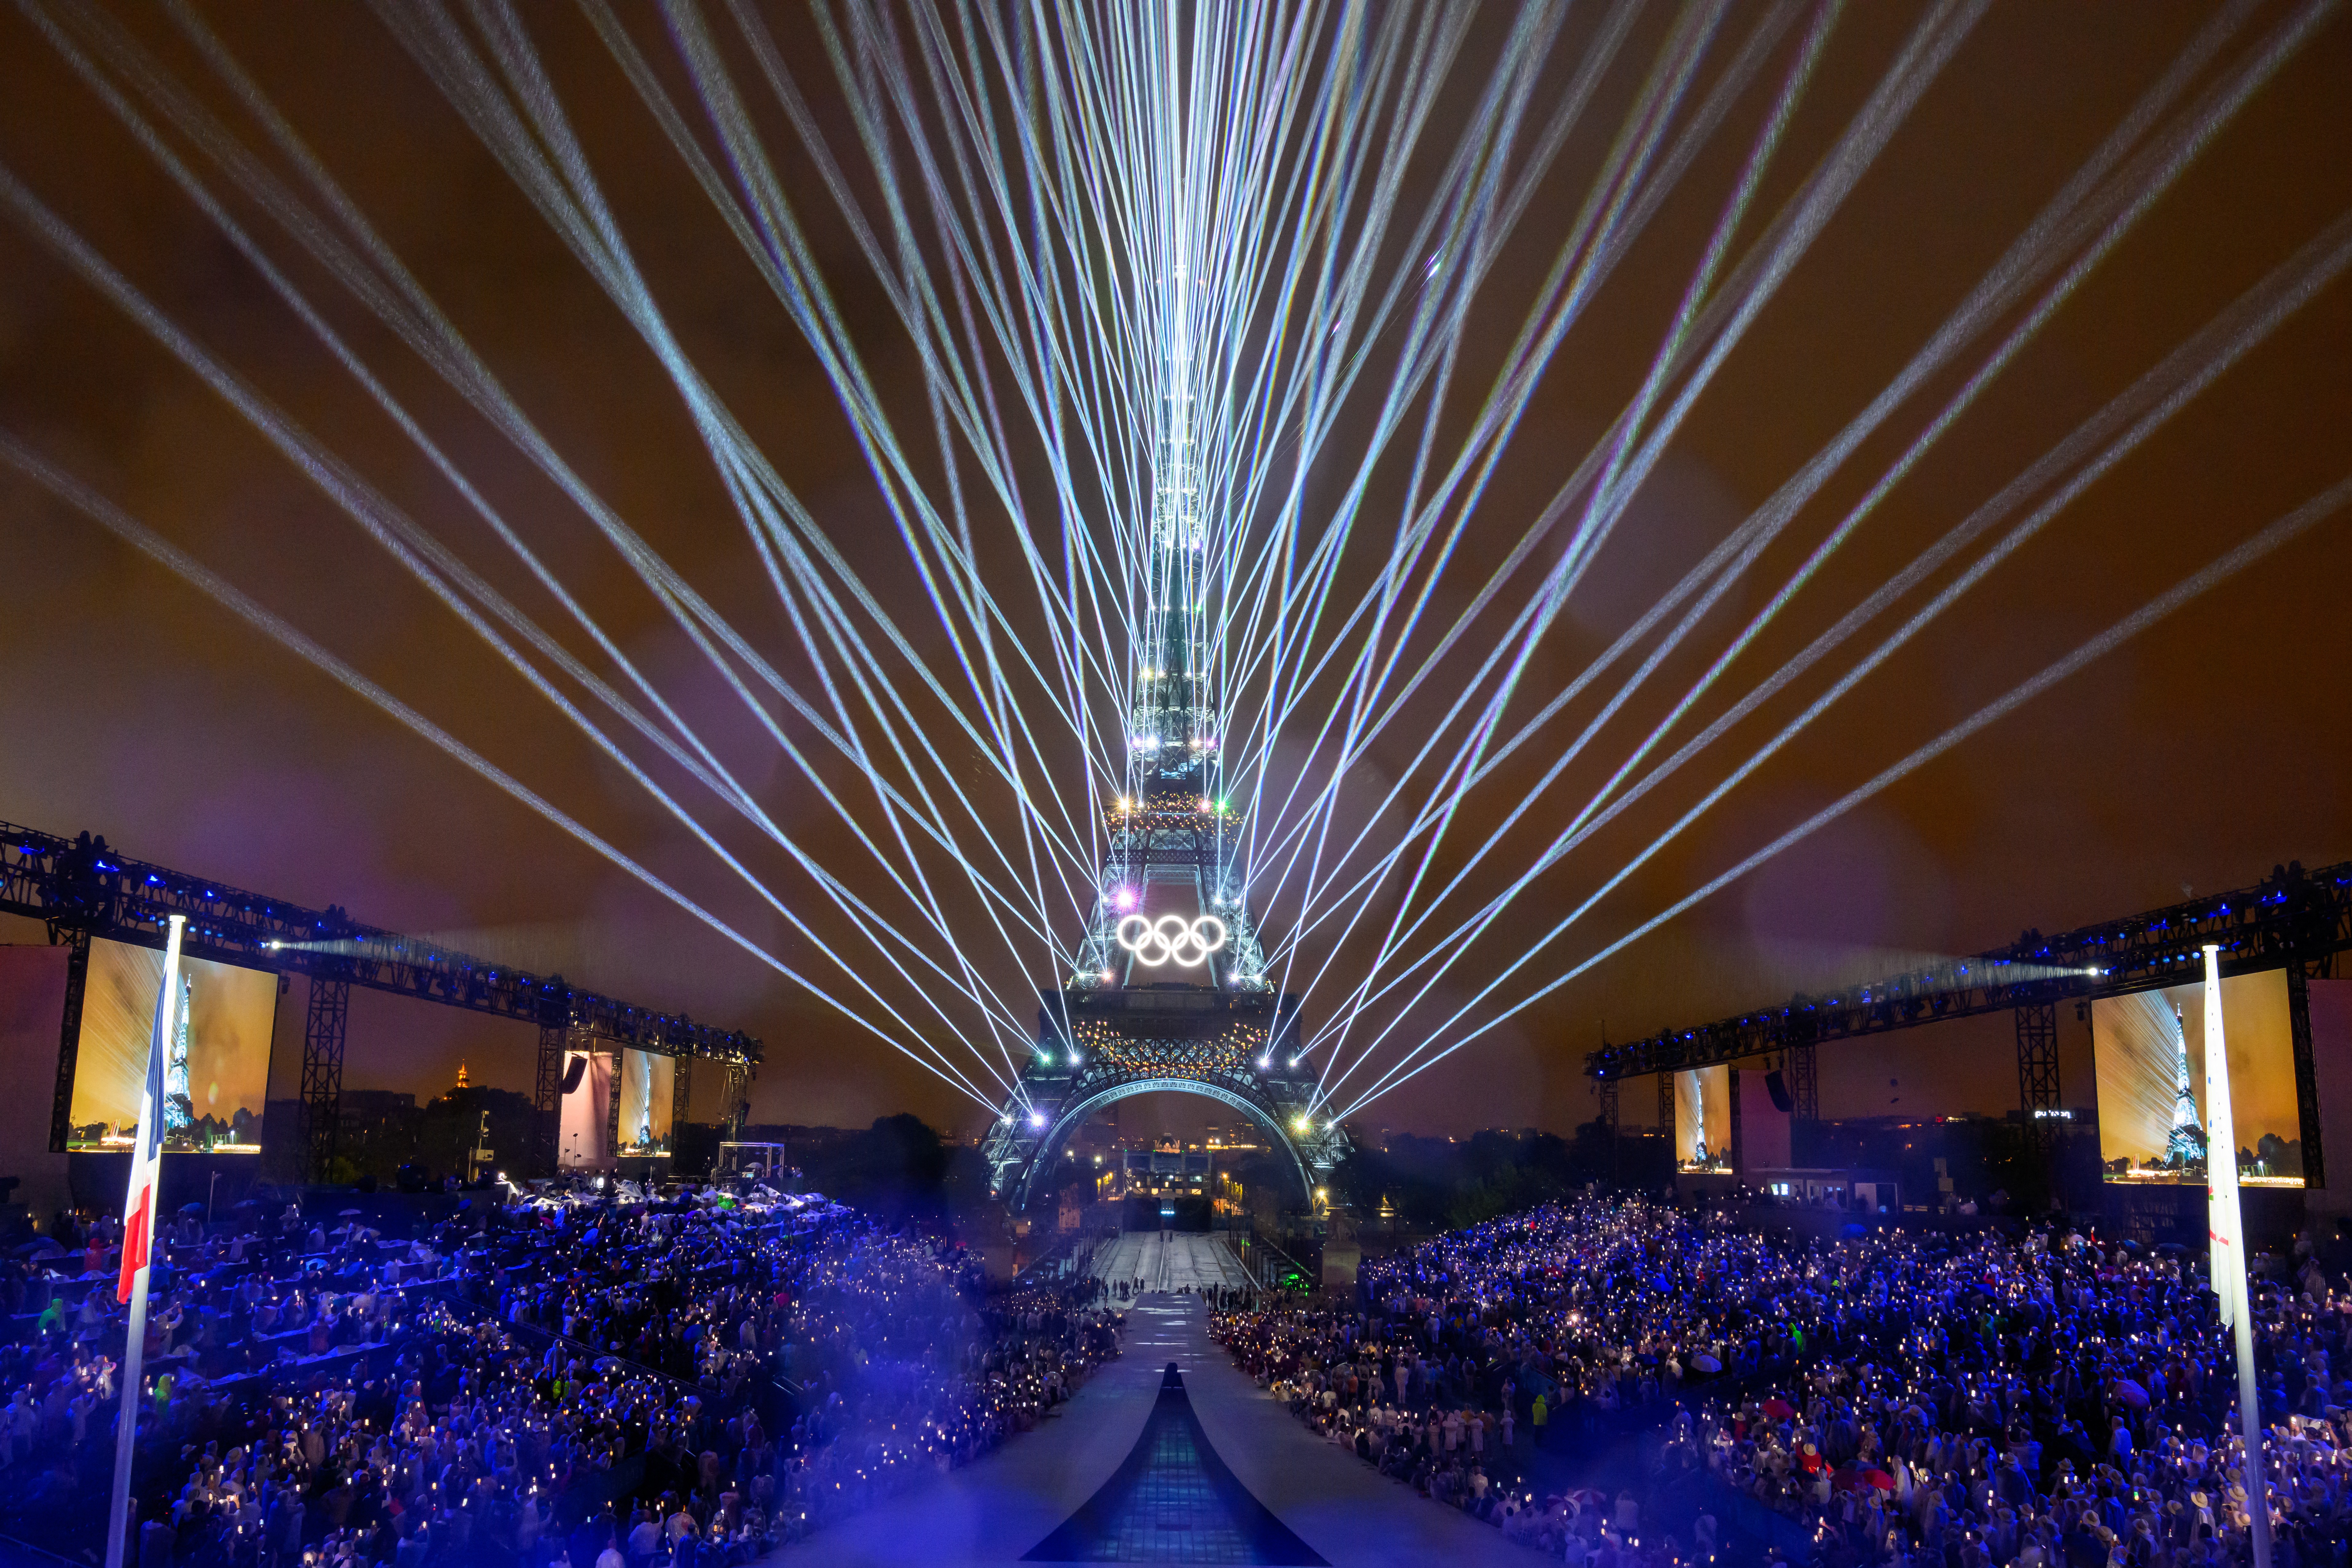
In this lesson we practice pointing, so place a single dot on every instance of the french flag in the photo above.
(147, 1154)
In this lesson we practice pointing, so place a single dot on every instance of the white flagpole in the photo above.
(134, 1338)
(2226, 1233)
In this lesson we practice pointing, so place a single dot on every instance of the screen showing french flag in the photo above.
(147, 1154)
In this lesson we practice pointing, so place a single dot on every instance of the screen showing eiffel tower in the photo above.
(648, 1083)
(215, 1069)
(2150, 1055)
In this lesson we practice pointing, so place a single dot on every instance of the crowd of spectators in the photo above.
(592, 1380)
(626, 1380)
(1899, 1395)
(1409, 1389)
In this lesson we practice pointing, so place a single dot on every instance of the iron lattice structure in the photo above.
(1215, 1027)
(1099, 1048)
(1168, 989)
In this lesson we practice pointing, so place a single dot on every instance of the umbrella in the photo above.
(1706, 1362)
(1778, 1409)
(1880, 1479)
(46, 1247)
(2131, 1393)
(1589, 1497)
(350, 1214)
(192, 1208)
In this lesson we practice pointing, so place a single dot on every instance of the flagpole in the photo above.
(2226, 1233)
(134, 1338)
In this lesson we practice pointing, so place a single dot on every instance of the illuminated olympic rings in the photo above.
(1172, 938)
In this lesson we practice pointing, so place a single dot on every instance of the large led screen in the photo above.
(2149, 1049)
(215, 1069)
(645, 1086)
(1703, 1119)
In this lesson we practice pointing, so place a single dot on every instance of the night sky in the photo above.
(2193, 758)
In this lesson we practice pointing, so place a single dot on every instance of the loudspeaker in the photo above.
(1778, 1088)
(573, 1073)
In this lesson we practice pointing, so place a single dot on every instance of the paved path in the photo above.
(994, 1511)
(1170, 1260)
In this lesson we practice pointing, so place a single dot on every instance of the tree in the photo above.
(449, 1125)
(1432, 1183)
(900, 1166)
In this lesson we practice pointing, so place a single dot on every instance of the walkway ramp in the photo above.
(1173, 1500)
(1040, 1491)
(1172, 1260)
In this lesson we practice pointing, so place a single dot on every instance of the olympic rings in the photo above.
(1172, 938)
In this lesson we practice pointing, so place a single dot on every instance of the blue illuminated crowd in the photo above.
(566, 1379)
(1901, 1397)
(627, 1379)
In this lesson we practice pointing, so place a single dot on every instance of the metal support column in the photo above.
(2037, 1071)
(737, 1102)
(1666, 1107)
(547, 1093)
(681, 1095)
(1801, 1073)
(1605, 1090)
(612, 1107)
(1804, 1082)
(2306, 1082)
(1739, 1138)
(326, 1025)
(76, 945)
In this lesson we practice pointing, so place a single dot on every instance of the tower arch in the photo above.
(1241, 1051)
(1298, 1162)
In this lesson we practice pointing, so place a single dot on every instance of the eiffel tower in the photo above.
(1170, 990)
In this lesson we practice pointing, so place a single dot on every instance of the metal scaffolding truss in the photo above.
(2293, 919)
(83, 889)
(2037, 1067)
(326, 1025)
(2291, 916)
